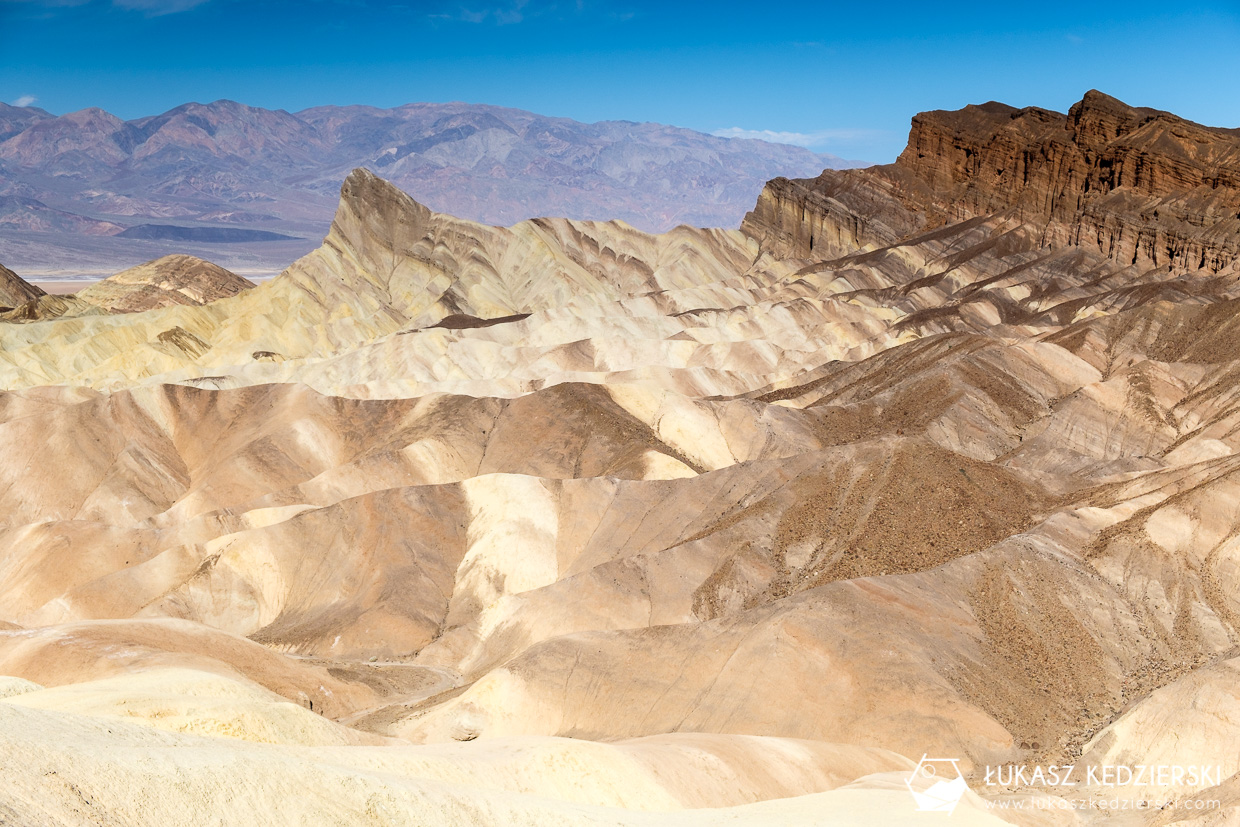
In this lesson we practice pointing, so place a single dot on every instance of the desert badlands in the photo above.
(931, 464)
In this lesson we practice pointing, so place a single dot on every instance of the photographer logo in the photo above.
(946, 785)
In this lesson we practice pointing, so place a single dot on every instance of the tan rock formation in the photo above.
(562, 521)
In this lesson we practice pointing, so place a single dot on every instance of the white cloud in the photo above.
(806, 139)
(52, 3)
(153, 8)
(25, 100)
(156, 8)
(500, 14)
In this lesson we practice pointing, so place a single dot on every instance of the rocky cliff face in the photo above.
(1142, 187)
(831, 215)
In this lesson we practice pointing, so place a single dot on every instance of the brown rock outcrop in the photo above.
(14, 290)
(1141, 186)
(163, 282)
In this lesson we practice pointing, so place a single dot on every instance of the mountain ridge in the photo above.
(228, 164)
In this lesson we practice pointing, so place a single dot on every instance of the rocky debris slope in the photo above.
(951, 482)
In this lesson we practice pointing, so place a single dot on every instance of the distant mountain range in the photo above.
(88, 190)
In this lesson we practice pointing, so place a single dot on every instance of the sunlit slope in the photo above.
(564, 521)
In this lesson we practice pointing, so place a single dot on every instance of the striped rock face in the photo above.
(568, 523)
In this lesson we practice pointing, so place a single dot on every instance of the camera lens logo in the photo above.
(936, 784)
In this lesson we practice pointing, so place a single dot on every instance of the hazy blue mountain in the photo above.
(225, 164)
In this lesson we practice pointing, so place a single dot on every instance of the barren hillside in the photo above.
(563, 522)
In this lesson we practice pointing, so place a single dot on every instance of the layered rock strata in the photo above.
(1140, 186)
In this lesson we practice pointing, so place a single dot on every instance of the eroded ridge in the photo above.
(564, 523)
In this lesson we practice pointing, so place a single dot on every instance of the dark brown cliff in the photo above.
(1139, 185)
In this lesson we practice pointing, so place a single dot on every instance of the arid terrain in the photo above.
(567, 523)
(253, 188)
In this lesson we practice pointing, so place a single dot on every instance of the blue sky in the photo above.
(841, 78)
